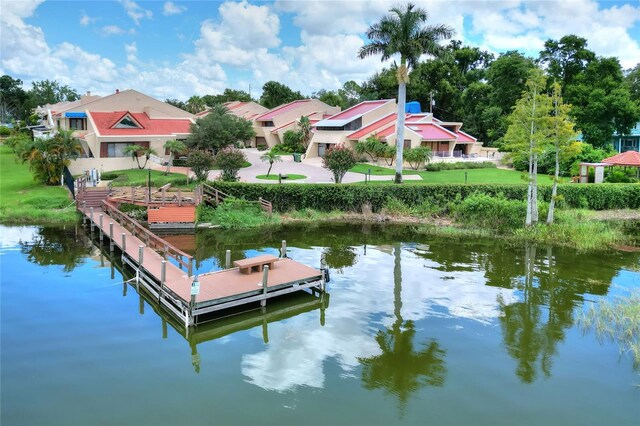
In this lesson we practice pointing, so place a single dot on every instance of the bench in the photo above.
(246, 265)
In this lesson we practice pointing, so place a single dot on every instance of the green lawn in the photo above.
(137, 177)
(290, 176)
(453, 176)
(23, 200)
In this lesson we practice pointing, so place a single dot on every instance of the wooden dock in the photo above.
(165, 271)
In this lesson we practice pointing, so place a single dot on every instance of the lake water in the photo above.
(414, 330)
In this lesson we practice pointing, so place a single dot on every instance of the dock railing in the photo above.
(214, 195)
(151, 240)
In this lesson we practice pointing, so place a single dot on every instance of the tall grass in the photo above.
(618, 321)
(235, 213)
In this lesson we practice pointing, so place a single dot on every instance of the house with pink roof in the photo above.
(356, 124)
(271, 125)
(335, 129)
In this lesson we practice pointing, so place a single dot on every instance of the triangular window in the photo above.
(127, 122)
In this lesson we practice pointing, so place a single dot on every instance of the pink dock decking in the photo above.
(165, 279)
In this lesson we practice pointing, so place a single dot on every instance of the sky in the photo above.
(174, 49)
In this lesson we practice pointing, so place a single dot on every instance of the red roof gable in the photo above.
(628, 158)
(373, 126)
(104, 122)
(430, 131)
(464, 137)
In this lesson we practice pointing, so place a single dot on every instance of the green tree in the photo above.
(271, 157)
(601, 102)
(13, 100)
(529, 132)
(50, 92)
(403, 32)
(330, 97)
(562, 135)
(566, 59)
(372, 146)
(195, 104)
(200, 163)
(47, 158)
(175, 147)
(137, 151)
(291, 142)
(304, 127)
(230, 160)
(632, 79)
(275, 94)
(229, 95)
(219, 129)
(177, 103)
(339, 160)
(418, 156)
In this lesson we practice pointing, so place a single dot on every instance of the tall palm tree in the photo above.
(174, 146)
(304, 124)
(271, 157)
(403, 32)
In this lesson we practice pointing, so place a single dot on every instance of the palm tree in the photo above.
(174, 146)
(402, 32)
(304, 124)
(136, 151)
(271, 157)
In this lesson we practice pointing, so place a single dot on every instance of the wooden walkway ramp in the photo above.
(166, 272)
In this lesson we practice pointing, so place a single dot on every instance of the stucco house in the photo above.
(271, 126)
(106, 125)
(356, 124)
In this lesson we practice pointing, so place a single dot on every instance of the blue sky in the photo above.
(177, 49)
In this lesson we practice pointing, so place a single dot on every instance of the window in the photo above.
(267, 124)
(628, 145)
(126, 123)
(117, 149)
(351, 126)
(78, 123)
(407, 144)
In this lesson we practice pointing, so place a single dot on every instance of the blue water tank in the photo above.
(413, 107)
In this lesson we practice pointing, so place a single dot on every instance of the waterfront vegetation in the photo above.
(137, 177)
(24, 200)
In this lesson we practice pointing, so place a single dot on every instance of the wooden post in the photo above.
(91, 209)
(163, 277)
(111, 236)
(228, 260)
(190, 268)
(323, 269)
(283, 250)
(124, 243)
(164, 190)
(140, 254)
(164, 254)
(265, 277)
(100, 224)
(84, 212)
(180, 197)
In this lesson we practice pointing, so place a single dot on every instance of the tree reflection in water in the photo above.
(401, 370)
(65, 246)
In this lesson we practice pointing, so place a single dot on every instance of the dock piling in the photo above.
(163, 278)
(228, 259)
(323, 269)
(190, 267)
(100, 226)
(124, 243)
(111, 236)
(92, 221)
(265, 277)
(140, 255)
(84, 211)
(283, 250)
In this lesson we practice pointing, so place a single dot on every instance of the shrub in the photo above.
(234, 213)
(109, 175)
(230, 160)
(417, 156)
(200, 162)
(5, 131)
(292, 142)
(371, 147)
(489, 211)
(134, 211)
(352, 197)
(339, 160)
(460, 165)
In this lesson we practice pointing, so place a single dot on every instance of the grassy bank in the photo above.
(138, 177)
(23, 200)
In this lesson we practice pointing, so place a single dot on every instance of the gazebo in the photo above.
(625, 159)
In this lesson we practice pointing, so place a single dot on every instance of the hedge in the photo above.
(327, 197)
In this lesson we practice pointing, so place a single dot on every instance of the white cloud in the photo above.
(85, 19)
(109, 30)
(132, 51)
(170, 8)
(135, 11)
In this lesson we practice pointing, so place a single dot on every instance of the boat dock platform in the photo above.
(165, 271)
